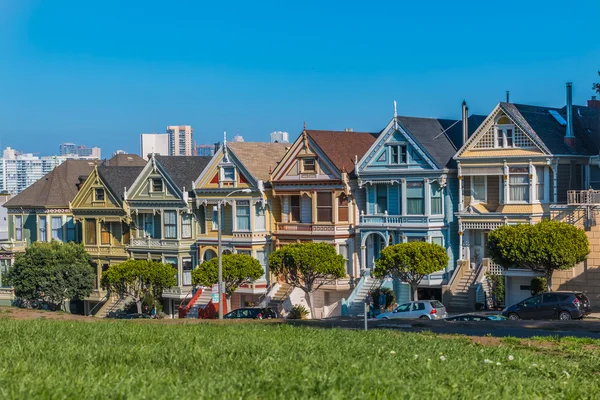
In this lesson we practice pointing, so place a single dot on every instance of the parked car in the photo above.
(253, 313)
(551, 305)
(423, 309)
(477, 317)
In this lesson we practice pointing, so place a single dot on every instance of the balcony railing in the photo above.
(311, 228)
(583, 197)
(105, 249)
(382, 220)
(155, 243)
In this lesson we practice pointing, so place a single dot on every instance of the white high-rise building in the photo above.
(18, 171)
(157, 143)
(280, 137)
(181, 142)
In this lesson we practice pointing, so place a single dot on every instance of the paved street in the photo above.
(589, 328)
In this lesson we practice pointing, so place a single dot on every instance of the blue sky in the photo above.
(102, 72)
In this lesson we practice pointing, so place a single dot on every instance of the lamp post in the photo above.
(219, 250)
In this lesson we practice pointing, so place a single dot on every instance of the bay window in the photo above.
(170, 224)
(436, 199)
(324, 207)
(415, 198)
(518, 182)
(242, 216)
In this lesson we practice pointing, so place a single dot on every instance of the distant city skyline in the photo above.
(71, 79)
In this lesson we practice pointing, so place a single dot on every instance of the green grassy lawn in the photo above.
(150, 360)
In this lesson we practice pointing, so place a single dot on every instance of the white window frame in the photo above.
(60, 231)
(243, 204)
(485, 189)
(187, 225)
(303, 166)
(260, 219)
(527, 192)
(501, 129)
(18, 227)
(431, 199)
(399, 148)
(171, 225)
(45, 230)
(223, 179)
(214, 218)
(546, 176)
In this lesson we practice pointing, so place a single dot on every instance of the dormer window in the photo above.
(398, 154)
(309, 165)
(99, 194)
(157, 185)
(228, 174)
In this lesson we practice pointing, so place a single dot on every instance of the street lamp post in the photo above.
(219, 250)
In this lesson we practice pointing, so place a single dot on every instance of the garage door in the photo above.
(517, 288)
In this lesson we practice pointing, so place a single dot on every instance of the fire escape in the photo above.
(587, 202)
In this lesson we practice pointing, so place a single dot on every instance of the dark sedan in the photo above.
(251, 313)
(551, 305)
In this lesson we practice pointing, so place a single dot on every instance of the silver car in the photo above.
(423, 309)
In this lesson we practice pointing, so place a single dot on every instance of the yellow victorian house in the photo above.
(103, 213)
(238, 177)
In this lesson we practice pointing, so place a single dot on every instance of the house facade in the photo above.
(238, 176)
(314, 202)
(164, 220)
(519, 167)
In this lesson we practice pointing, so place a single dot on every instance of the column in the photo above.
(427, 194)
(403, 196)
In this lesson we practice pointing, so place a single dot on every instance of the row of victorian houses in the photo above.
(448, 182)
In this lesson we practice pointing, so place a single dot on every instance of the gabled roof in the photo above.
(117, 179)
(183, 170)
(431, 136)
(341, 147)
(56, 189)
(550, 131)
(258, 158)
(123, 160)
(455, 131)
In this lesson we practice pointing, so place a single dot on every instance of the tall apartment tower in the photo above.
(180, 140)
(157, 143)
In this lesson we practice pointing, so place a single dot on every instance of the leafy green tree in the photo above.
(308, 266)
(238, 269)
(544, 247)
(596, 86)
(411, 262)
(138, 279)
(52, 272)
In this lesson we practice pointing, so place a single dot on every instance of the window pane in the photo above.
(436, 199)
(148, 221)
(382, 200)
(415, 197)
(157, 185)
(170, 223)
(18, 227)
(438, 240)
(259, 217)
(57, 228)
(343, 208)
(43, 235)
(186, 225)
(228, 174)
(539, 171)
(70, 229)
(394, 150)
(324, 207)
(478, 188)
(242, 216)
(105, 233)
(519, 187)
(295, 208)
(90, 231)
(309, 165)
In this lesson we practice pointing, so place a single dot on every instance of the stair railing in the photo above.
(347, 303)
(102, 301)
(184, 310)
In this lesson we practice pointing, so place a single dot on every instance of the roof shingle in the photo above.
(56, 189)
(119, 178)
(259, 158)
(184, 170)
(343, 147)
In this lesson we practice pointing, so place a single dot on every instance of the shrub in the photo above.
(298, 312)
(538, 285)
(389, 297)
(496, 283)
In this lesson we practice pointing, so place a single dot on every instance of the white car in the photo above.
(423, 309)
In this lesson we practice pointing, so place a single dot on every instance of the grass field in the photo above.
(128, 359)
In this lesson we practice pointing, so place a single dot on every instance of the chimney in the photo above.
(465, 121)
(593, 103)
(569, 138)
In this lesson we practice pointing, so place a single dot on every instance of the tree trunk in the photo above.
(311, 304)
(549, 279)
(415, 291)
(138, 304)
